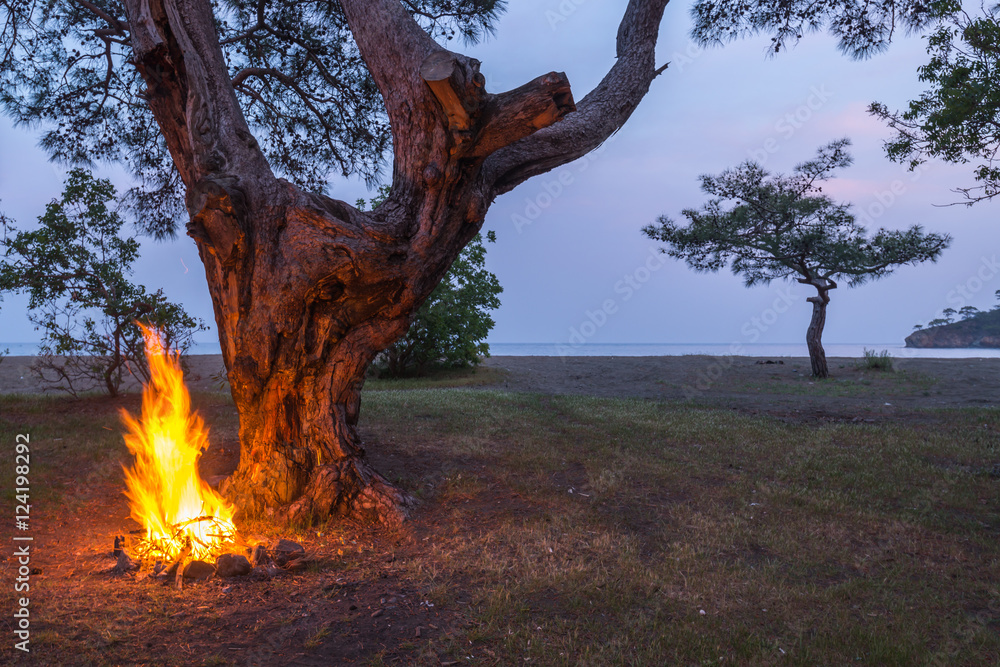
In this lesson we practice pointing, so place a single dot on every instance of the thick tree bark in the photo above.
(308, 290)
(814, 336)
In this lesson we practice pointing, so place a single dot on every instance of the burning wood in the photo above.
(179, 511)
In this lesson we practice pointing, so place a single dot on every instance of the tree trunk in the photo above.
(814, 335)
(307, 290)
(301, 448)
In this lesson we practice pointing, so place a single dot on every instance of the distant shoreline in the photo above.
(748, 350)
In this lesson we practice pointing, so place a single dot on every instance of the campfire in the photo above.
(182, 516)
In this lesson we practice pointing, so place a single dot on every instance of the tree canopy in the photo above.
(75, 269)
(306, 93)
(955, 119)
(769, 227)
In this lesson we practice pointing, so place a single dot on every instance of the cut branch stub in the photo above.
(518, 113)
(495, 120)
(459, 87)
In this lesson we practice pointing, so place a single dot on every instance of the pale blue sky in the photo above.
(569, 248)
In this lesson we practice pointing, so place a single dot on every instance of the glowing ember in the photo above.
(166, 494)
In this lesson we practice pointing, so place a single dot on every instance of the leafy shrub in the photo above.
(75, 268)
(876, 361)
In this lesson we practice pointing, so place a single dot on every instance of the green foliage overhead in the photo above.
(861, 27)
(771, 227)
(74, 268)
(306, 93)
(955, 119)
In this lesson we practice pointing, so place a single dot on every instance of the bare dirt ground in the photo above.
(752, 384)
(749, 382)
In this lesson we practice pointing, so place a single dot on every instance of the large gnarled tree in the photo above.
(778, 227)
(307, 289)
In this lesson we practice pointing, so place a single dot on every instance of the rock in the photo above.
(198, 569)
(259, 557)
(283, 551)
(125, 564)
(232, 565)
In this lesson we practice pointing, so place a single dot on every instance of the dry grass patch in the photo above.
(561, 531)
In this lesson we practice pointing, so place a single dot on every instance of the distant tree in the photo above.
(449, 330)
(957, 118)
(968, 312)
(938, 322)
(776, 227)
(997, 305)
(918, 327)
(949, 314)
(74, 268)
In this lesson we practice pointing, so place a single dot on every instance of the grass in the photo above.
(848, 382)
(574, 530)
(440, 379)
(876, 361)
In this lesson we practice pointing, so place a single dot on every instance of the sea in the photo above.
(776, 350)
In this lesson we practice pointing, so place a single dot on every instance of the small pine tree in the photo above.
(968, 312)
(778, 227)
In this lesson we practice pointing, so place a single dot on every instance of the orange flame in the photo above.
(166, 494)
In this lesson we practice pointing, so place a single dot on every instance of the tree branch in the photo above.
(521, 112)
(394, 47)
(599, 115)
(190, 93)
(120, 27)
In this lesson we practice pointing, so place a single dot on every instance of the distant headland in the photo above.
(978, 329)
